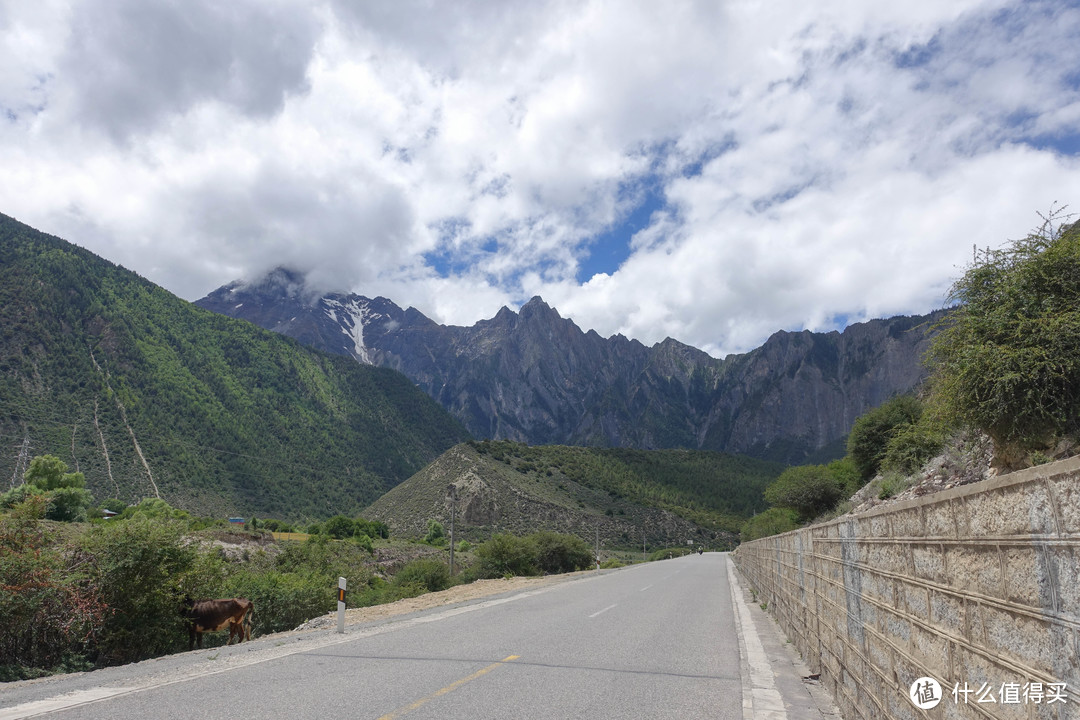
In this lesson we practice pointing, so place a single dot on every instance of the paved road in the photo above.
(656, 640)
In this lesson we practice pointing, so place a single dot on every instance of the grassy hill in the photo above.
(673, 496)
(148, 396)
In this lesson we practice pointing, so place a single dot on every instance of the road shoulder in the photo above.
(775, 684)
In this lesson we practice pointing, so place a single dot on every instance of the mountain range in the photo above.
(537, 378)
(151, 397)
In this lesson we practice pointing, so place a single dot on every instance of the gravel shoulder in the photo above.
(451, 596)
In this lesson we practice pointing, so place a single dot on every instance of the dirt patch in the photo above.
(456, 594)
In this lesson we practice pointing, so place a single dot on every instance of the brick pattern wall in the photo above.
(977, 586)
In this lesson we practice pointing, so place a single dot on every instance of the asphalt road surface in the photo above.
(656, 640)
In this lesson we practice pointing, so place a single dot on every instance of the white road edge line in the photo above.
(761, 699)
(601, 612)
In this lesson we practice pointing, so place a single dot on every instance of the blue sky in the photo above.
(708, 171)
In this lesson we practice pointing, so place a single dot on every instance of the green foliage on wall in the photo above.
(869, 438)
(773, 521)
(1007, 360)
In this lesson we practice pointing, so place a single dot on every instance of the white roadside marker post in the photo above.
(341, 605)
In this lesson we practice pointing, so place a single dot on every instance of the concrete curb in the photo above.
(774, 677)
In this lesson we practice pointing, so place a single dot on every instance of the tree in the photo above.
(1006, 360)
(66, 496)
(846, 473)
(809, 490)
(436, 534)
(340, 527)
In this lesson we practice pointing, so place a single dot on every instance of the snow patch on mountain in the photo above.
(355, 315)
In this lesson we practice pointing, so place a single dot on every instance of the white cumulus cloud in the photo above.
(803, 165)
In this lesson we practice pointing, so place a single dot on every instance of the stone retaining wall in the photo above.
(977, 587)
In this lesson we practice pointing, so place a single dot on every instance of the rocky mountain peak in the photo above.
(535, 377)
(537, 307)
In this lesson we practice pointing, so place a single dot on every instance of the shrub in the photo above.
(49, 614)
(667, 553)
(467, 574)
(892, 484)
(284, 600)
(363, 541)
(911, 447)
(329, 559)
(505, 554)
(869, 438)
(274, 525)
(773, 521)
(430, 574)
(559, 553)
(20, 494)
(139, 566)
(1006, 360)
(155, 508)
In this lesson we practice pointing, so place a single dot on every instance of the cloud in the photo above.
(745, 167)
(130, 65)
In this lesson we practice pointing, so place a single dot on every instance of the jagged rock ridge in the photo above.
(536, 377)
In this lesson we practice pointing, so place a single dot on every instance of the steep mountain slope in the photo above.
(671, 496)
(149, 396)
(536, 377)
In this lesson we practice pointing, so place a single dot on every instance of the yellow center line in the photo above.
(448, 689)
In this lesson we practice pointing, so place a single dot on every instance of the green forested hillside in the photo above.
(687, 480)
(671, 496)
(148, 395)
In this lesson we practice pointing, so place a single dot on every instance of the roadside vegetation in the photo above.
(78, 591)
(1004, 363)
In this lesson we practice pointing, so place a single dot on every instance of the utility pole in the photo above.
(453, 517)
(597, 547)
(643, 556)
